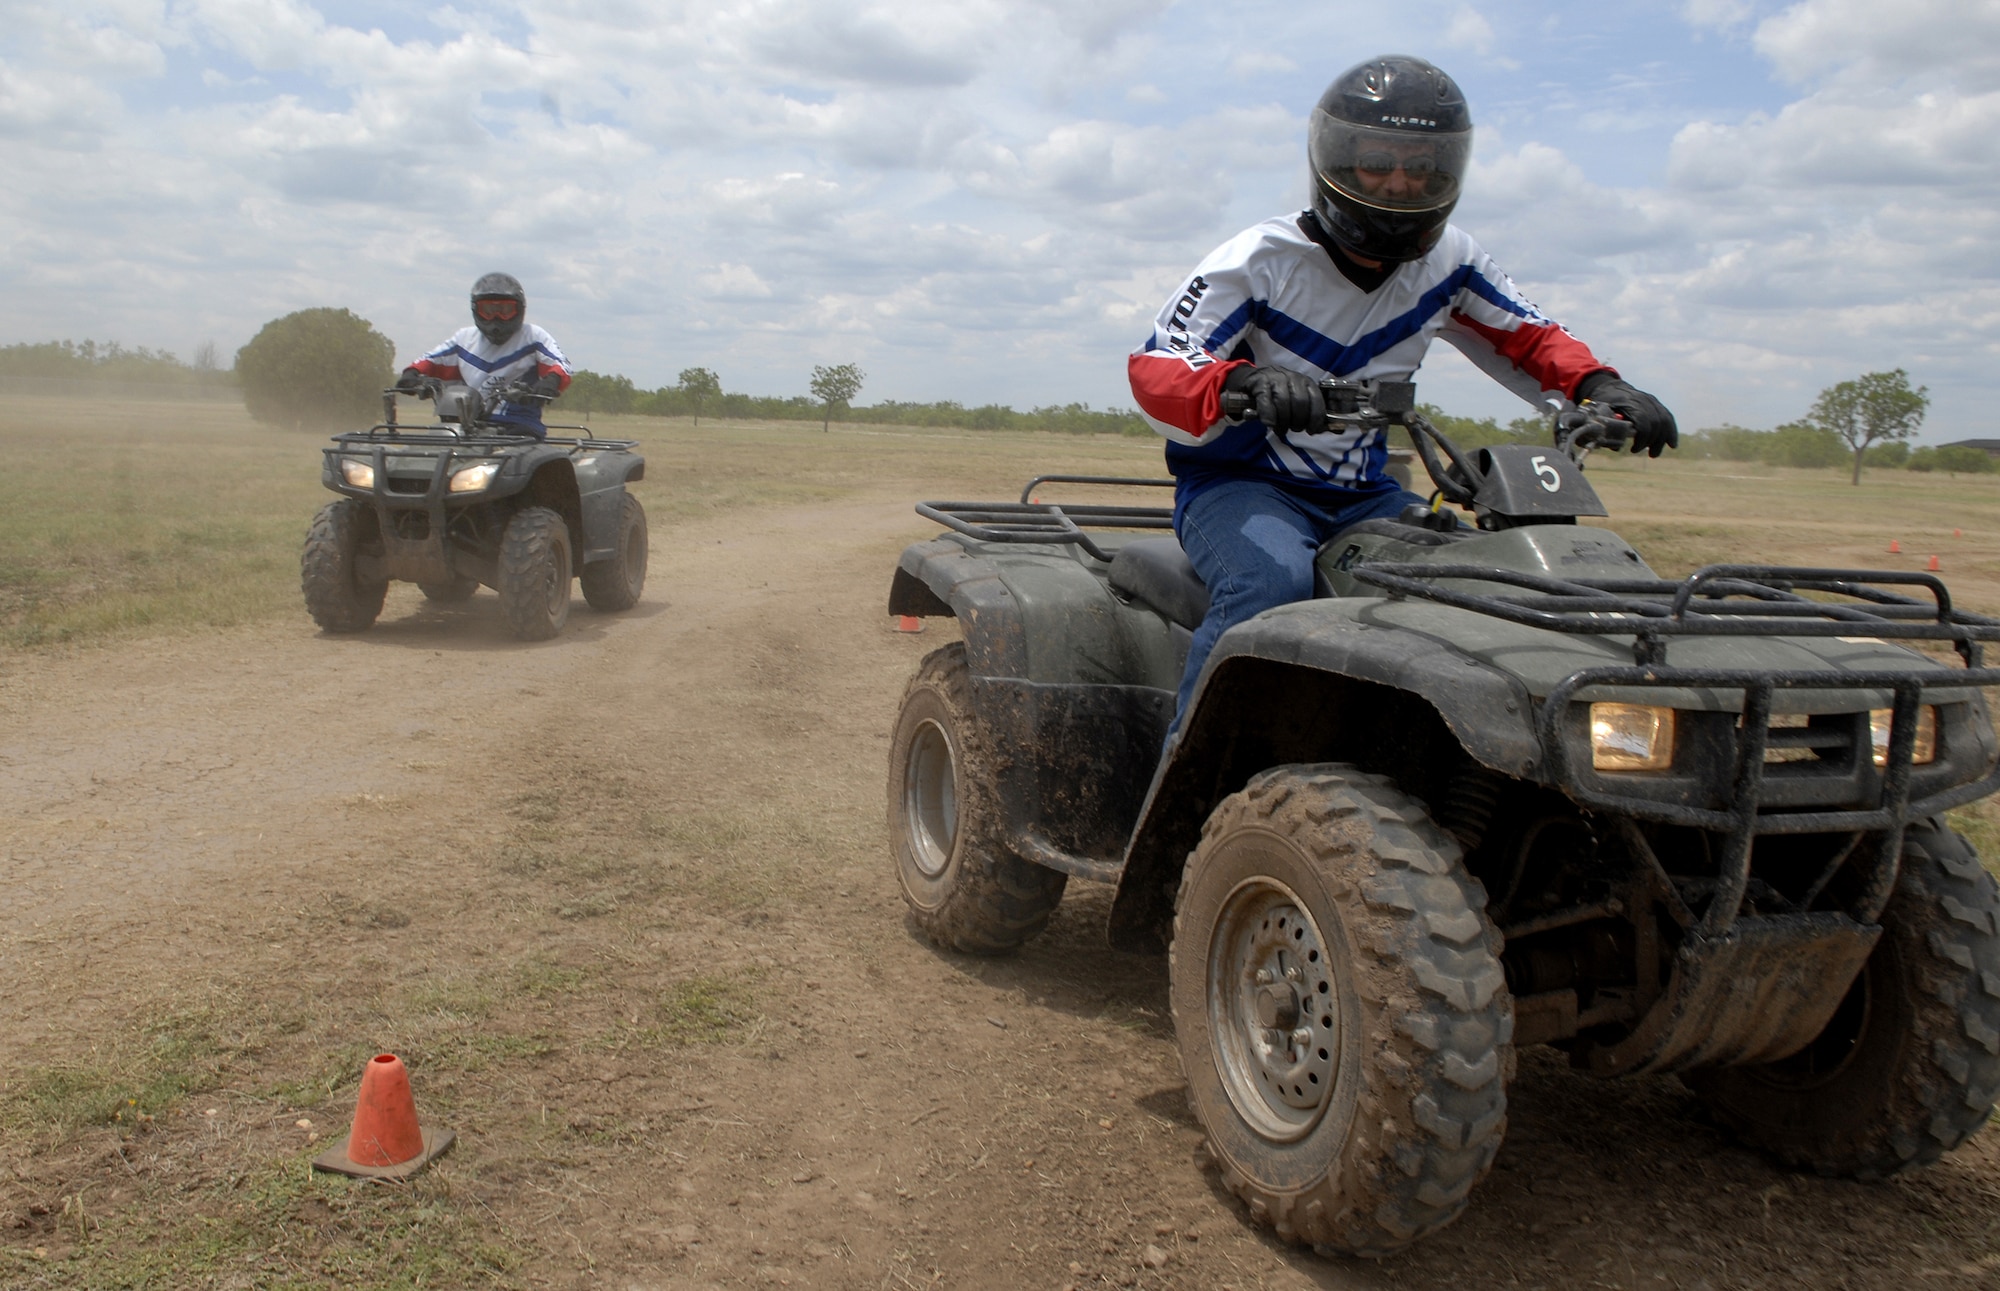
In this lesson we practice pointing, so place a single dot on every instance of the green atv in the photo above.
(1497, 785)
(468, 501)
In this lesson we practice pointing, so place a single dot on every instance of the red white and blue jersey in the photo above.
(488, 368)
(1273, 296)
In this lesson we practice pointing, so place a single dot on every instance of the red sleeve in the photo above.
(1542, 350)
(442, 371)
(543, 368)
(1176, 391)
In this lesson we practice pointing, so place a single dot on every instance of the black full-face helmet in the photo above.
(499, 306)
(1389, 144)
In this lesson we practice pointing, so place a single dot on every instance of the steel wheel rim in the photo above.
(555, 583)
(930, 799)
(1273, 1012)
(635, 558)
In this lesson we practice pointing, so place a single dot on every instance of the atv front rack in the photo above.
(488, 441)
(1716, 600)
(1028, 521)
(1743, 820)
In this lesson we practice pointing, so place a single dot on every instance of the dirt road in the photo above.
(623, 902)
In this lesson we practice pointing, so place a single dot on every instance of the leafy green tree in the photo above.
(1962, 459)
(1803, 444)
(835, 387)
(595, 392)
(1879, 406)
(698, 386)
(315, 368)
(1891, 455)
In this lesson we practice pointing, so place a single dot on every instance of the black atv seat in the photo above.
(1156, 571)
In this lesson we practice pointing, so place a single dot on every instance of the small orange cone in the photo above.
(387, 1142)
(1956, 534)
(1933, 565)
(909, 623)
(1894, 546)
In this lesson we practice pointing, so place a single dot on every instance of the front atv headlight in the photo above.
(1631, 737)
(1925, 750)
(474, 478)
(357, 473)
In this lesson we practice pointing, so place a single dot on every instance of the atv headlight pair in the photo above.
(1640, 737)
(474, 478)
(357, 473)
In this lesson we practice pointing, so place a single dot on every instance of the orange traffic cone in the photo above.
(909, 623)
(1894, 546)
(1957, 534)
(1933, 565)
(387, 1142)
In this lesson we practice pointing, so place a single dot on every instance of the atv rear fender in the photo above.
(1297, 686)
(1054, 658)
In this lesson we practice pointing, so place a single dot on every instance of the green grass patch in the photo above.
(701, 1010)
(177, 1055)
(285, 1226)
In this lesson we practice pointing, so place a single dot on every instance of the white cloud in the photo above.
(988, 200)
(1468, 29)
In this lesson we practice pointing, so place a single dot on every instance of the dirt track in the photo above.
(624, 901)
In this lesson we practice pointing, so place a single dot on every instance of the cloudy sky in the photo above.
(1736, 202)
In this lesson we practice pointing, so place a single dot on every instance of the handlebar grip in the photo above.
(1237, 405)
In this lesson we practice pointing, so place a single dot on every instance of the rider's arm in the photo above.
(441, 363)
(1510, 340)
(550, 362)
(1178, 374)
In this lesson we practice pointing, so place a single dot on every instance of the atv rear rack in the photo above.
(1734, 600)
(1028, 521)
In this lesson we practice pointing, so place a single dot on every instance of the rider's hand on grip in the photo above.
(410, 381)
(1653, 428)
(1283, 400)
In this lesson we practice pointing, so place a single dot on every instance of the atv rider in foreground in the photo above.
(1355, 287)
(499, 353)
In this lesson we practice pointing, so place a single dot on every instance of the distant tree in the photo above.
(315, 368)
(1801, 443)
(1892, 454)
(1962, 459)
(835, 387)
(698, 386)
(595, 392)
(1879, 406)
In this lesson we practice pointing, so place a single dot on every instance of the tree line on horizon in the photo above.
(327, 367)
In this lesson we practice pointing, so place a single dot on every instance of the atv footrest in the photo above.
(1759, 992)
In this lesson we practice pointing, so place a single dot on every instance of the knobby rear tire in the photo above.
(1909, 1067)
(966, 888)
(615, 584)
(1410, 1015)
(337, 600)
(535, 570)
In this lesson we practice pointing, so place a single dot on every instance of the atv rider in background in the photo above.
(502, 353)
(1355, 287)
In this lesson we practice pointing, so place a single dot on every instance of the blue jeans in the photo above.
(1253, 544)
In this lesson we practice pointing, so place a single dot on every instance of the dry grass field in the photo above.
(622, 902)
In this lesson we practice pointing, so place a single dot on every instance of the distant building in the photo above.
(1990, 447)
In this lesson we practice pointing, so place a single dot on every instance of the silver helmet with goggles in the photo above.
(499, 304)
(1389, 143)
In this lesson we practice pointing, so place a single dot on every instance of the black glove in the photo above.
(1653, 427)
(1284, 400)
(548, 385)
(410, 382)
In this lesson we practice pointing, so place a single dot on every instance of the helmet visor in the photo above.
(496, 309)
(1390, 169)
